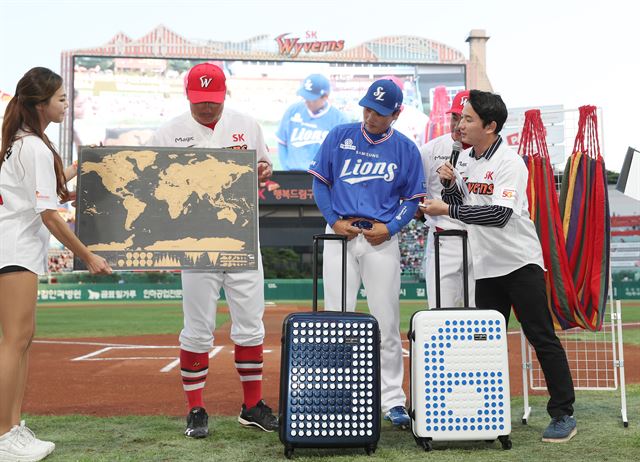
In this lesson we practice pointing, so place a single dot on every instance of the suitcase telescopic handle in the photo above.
(465, 276)
(329, 237)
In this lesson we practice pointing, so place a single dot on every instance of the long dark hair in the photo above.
(37, 86)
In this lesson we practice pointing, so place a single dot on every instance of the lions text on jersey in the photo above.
(368, 178)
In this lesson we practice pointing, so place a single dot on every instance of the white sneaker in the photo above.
(28, 433)
(20, 445)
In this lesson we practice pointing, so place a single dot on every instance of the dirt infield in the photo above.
(141, 376)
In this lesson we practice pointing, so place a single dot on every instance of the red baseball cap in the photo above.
(458, 102)
(205, 83)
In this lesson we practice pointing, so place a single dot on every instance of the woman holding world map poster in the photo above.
(31, 179)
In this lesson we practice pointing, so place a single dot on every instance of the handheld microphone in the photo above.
(453, 159)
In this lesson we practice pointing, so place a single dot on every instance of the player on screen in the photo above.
(305, 124)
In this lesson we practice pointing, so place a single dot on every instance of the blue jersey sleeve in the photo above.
(282, 134)
(322, 164)
(403, 215)
(283, 129)
(322, 195)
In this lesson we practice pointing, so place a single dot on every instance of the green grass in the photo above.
(600, 437)
(630, 314)
(75, 320)
(111, 319)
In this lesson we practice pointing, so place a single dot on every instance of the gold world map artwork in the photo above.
(169, 208)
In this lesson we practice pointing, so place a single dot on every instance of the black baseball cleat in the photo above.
(197, 423)
(259, 416)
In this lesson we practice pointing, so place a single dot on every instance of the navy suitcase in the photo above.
(459, 370)
(329, 374)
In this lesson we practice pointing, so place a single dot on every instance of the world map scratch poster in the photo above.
(169, 208)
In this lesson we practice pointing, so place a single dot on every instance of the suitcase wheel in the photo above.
(506, 442)
(370, 449)
(288, 451)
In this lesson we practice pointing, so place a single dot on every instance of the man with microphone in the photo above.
(435, 153)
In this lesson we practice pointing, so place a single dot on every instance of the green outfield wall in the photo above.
(275, 289)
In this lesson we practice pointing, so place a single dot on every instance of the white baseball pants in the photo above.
(378, 268)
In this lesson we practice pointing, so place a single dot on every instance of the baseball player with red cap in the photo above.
(434, 154)
(368, 181)
(208, 124)
(305, 124)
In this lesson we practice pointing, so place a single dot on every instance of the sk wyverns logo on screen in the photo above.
(348, 144)
(204, 81)
(379, 94)
(358, 171)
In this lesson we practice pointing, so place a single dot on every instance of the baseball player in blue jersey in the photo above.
(305, 124)
(368, 182)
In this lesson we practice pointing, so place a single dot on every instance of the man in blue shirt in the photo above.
(305, 124)
(368, 181)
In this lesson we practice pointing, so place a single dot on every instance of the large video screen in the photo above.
(121, 101)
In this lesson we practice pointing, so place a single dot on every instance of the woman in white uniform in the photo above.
(32, 179)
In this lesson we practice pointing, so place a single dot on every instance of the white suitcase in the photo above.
(459, 374)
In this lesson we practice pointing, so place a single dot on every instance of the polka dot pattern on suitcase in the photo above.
(462, 393)
(331, 380)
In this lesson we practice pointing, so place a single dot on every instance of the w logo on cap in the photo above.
(379, 94)
(204, 81)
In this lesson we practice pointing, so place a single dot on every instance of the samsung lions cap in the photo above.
(205, 83)
(383, 96)
(315, 86)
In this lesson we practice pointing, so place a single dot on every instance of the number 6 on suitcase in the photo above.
(459, 370)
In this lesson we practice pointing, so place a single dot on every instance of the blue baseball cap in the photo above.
(315, 86)
(383, 96)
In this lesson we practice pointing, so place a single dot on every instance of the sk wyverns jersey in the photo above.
(501, 180)
(368, 178)
(233, 131)
(435, 153)
(27, 188)
(302, 133)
